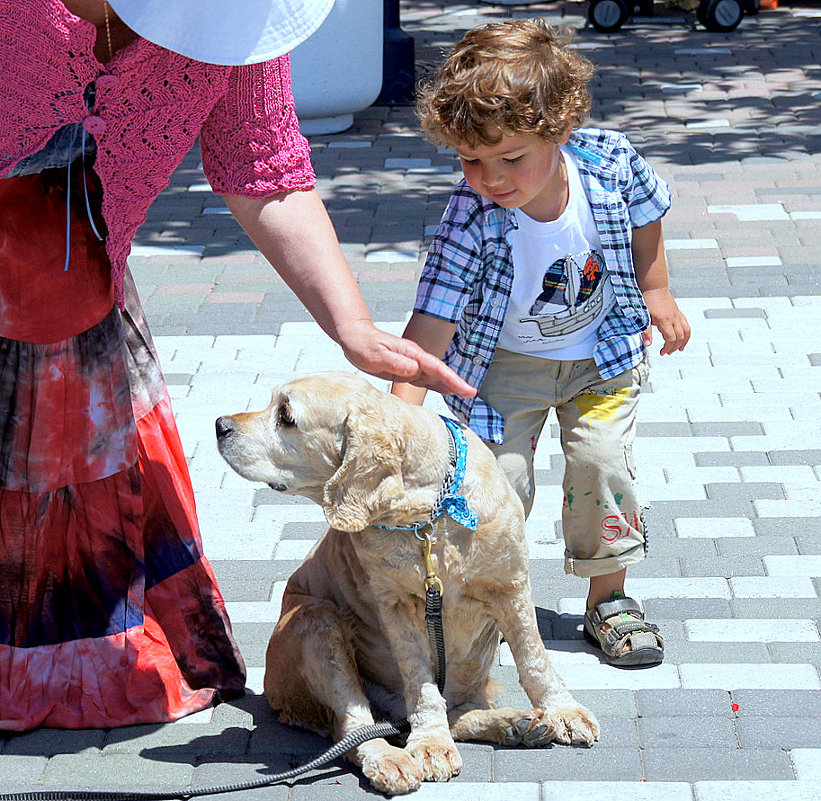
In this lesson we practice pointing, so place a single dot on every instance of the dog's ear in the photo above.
(368, 486)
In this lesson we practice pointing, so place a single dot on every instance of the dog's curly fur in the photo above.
(352, 635)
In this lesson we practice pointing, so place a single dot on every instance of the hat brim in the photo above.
(230, 32)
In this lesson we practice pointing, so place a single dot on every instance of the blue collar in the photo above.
(449, 500)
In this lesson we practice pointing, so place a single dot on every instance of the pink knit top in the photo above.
(148, 113)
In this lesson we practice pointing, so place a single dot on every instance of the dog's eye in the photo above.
(284, 415)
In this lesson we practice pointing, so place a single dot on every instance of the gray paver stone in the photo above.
(21, 773)
(559, 762)
(687, 732)
(701, 703)
(115, 771)
(801, 731)
(47, 742)
(690, 764)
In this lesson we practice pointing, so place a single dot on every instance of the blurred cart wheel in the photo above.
(720, 15)
(608, 15)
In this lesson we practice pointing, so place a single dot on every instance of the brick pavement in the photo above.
(729, 450)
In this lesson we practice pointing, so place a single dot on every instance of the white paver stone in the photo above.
(690, 244)
(753, 261)
(751, 630)
(392, 256)
(772, 587)
(257, 611)
(706, 527)
(168, 250)
(807, 508)
(809, 565)
(756, 791)
(751, 212)
(807, 763)
(616, 791)
(486, 791)
(293, 549)
(675, 587)
(749, 677)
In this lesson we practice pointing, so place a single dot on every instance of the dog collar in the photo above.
(449, 500)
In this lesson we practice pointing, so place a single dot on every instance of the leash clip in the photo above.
(431, 579)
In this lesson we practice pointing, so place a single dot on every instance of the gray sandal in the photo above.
(614, 623)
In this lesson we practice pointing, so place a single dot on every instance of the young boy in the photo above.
(540, 288)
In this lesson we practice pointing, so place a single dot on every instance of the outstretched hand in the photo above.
(393, 358)
(668, 318)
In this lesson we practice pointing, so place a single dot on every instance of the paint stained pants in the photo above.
(601, 517)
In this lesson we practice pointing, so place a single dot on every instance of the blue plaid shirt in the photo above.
(469, 269)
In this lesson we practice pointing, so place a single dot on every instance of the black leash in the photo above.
(354, 739)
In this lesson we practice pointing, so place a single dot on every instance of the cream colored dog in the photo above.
(352, 634)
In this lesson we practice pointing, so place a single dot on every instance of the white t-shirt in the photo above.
(561, 291)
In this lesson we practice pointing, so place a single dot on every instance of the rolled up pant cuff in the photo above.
(586, 568)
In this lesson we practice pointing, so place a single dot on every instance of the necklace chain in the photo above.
(107, 29)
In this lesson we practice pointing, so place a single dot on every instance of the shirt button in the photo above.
(495, 301)
(478, 360)
(94, 125)
(107, 81)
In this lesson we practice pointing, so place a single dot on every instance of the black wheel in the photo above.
(720, 15)
(608, 15)
(644, 8)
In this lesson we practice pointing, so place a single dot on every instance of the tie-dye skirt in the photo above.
(109, 612)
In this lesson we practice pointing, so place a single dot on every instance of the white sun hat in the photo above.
(224, 31)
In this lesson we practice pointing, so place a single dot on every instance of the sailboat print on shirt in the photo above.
(572, 295)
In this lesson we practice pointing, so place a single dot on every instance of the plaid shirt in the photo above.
(469, 269)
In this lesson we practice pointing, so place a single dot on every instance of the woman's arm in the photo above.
(296, 235)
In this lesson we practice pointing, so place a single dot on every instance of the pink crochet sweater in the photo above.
(150, 114)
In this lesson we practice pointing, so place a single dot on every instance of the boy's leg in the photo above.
(601, 518)
(520, 388)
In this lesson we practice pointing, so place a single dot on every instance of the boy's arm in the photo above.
(431, 334)
(651, 275)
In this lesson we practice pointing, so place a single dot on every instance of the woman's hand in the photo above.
(396, 359)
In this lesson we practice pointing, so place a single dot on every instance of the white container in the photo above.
(337, 71)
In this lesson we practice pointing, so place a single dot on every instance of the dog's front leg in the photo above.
(570, 722)
(430, 741)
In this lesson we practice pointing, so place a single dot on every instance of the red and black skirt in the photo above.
(109, 612)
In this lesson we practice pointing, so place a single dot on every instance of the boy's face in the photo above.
(521, 171)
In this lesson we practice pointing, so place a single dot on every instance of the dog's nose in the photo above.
(224, 425)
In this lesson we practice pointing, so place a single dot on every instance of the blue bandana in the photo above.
(449, 500)
(453, 502)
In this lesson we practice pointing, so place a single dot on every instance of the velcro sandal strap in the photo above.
(634, 626)
(606, 609)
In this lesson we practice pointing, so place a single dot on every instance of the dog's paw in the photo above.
(438, 759)
(574, 725)
(532, 731)
(391, 770)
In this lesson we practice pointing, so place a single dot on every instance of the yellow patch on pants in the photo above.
(593, 407)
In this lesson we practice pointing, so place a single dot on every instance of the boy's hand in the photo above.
(668, 318)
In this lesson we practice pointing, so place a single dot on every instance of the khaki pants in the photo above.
(601, 517)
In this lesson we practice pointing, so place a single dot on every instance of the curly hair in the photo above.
(514, 77)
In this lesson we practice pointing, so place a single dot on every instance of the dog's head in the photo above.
(333, 438)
